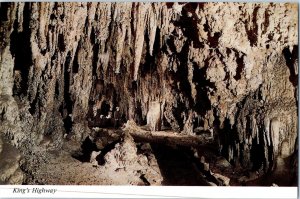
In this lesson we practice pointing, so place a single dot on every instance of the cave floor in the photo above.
(60, 168)
(145, 164)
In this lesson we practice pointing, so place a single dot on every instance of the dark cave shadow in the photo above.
(177, 166)
(87, 148)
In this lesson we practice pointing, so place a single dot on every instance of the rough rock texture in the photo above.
(227, 68)
(10, 164)
(124, 158)
(121, 165)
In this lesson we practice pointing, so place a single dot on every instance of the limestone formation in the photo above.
(153, 116)
(222, 77)
(10, 165)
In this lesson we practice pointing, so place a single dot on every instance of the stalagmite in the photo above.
(153, 116)
(267, 131)
(274, 130)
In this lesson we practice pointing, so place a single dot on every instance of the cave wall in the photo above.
(229, 68)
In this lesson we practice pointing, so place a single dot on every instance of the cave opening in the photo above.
(20, 48)
(203, 85)
(67, 81)
(165, 125)
(68, 123)
(75, 66)
(188, 23)
(150, 66)
(96, 49)
(178, 112)
(140, 120)
(252, 30)
(290, 59)
(257, 155)
(181, 84)
(4, 8)
(240, 65)
(57, 90)
(93, 34)
(61, 43)
(105, 108)
(110, 146)
(214, 40)
(66, 108)
(87, 147)
(181, 75)
(177, 166)
(34, 105)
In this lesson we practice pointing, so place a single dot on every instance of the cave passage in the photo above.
(176, 166)
(108, 93)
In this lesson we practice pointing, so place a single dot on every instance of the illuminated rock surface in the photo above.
(226, 73)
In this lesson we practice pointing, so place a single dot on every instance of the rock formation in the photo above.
(224, 70)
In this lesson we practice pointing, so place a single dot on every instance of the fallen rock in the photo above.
(93, 158)
(225, 180)
(221, 162)
(206, 167)
(124, 156)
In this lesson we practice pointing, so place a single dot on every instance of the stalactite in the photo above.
(141, 11)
